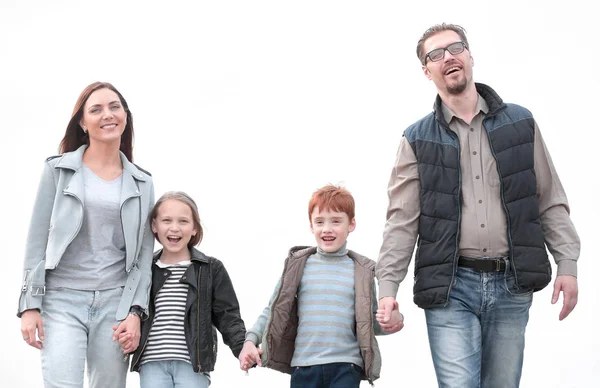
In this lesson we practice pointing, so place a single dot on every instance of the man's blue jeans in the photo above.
(477, 340)
(334, 375)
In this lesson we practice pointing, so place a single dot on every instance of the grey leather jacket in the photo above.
(57, 218)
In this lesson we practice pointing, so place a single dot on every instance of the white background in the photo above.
(249, 106)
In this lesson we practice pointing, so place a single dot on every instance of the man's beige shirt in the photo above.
(483, 220)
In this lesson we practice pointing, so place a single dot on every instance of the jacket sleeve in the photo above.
(226, 314)
(256, 332)
(142, 293)
(34, 268)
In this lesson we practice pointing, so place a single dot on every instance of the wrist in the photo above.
(135, 311)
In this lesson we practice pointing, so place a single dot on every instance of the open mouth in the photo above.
(109, 126)
(328, 238)
(452, 70)
(173, 239)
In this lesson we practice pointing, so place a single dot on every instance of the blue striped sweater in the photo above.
(326, 329)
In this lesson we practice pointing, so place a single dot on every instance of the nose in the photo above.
(106, 113)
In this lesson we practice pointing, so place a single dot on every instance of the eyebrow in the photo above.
(110, 103)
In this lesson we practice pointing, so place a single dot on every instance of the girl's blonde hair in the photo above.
(182, 197)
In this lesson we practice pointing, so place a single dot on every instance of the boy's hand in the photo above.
(249, 356)
(396, 322)
(389, 317)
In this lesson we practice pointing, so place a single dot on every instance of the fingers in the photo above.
(556, 292)
(256, 356)
(569, 303)
(387, 305)
(118, 330)
(568, 286)
(249, 356)
(31, 322)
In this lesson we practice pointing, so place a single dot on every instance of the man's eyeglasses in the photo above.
(438, 54)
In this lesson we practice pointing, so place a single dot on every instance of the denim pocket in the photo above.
(511, 287)
(357, 370)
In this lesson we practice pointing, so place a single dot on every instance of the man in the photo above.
(474, 184)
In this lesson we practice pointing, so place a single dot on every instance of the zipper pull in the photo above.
(24, 287)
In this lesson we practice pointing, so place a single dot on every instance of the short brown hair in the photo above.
(462, 33)
(333, 198)
(182, 197)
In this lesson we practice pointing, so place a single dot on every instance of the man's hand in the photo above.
(389, 316)
(568, 285)
(249, 356)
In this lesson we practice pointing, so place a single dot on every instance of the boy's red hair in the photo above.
(333, 198)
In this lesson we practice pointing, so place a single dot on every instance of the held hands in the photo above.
(128, 333)
(31, 321)
(568, 285)
(388, 315)
(249, 356)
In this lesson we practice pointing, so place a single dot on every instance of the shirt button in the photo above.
(476, 176)
(483, 225)
(472, 129)
(480, 201)
(474, 152)
(485, 249)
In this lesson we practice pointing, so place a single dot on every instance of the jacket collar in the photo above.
(196, 255)
(74, 160)
(492, 99)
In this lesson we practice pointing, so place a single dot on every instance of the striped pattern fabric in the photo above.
(326, 330)
(166, 340)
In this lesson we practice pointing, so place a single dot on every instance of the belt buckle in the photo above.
(498, 265)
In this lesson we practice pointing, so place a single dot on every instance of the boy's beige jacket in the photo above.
(282, 325)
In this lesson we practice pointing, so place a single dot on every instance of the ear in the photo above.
(154, 229)
(426, 72)
(82, 125)
(352, 225)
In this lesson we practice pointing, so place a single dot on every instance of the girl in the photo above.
(89, 252)
(190, 293)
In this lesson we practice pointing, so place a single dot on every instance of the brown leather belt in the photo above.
(484, 264)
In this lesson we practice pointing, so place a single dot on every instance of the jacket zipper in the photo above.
(24, 287)
(76, 231)
(139, 243)
(508, 228)
(457, 241)
(198, 320)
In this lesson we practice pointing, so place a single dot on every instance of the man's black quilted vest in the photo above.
(510, 129)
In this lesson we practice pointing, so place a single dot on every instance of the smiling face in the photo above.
(104, 117)
(330, 228)
(174, 228)
(453, 74)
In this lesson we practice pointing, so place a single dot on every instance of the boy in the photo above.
(320, 323)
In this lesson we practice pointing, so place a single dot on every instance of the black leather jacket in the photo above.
(211, 302)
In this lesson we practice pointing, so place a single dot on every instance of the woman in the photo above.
(89, 250)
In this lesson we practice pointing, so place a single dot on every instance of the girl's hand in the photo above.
(128, 333)
(249, 356)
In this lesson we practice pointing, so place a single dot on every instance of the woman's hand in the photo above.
(31, 323)
(128, 333)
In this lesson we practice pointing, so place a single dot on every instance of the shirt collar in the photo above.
(481, 106)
